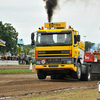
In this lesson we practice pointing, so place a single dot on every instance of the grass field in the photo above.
(84, 94)
(16, 71)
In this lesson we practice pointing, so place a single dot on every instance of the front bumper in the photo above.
(56, 66)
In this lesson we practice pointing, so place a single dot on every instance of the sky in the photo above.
(26, 16)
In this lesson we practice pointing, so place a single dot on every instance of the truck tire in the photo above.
(88, 75)
(77, 74)
(40, 74)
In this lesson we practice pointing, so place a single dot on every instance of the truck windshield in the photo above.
(54, 39)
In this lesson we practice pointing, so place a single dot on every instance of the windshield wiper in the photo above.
(43, 44)
(59, 44)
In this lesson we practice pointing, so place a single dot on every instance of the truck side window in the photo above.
(39, 38)
(74, 36)
(74, 39)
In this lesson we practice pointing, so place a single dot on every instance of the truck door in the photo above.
(75, 50)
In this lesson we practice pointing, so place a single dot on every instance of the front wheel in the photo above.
(77, 74)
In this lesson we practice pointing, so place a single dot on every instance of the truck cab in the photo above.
(58, 51)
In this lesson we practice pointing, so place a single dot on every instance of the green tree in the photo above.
(88, 45)
(27, 46)
(25, 51)
(18, 49)
(28, 50)
(9, 35)
(99, 47)
(31, 53)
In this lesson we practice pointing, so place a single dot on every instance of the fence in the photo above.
(7, 62)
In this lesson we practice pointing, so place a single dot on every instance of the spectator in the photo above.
(13, 58)
(26, 59)
(30, 58)
(9, 58)
(20, 60)
(23, 59)
(5, 57)
(2, 57)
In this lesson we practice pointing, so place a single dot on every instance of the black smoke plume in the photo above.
(50, 6)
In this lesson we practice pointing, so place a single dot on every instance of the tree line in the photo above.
(25, 51)
(8, 34)
(88, 45)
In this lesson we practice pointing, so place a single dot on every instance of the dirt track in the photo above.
(23, 84)
(7, 67)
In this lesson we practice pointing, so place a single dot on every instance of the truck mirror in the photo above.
(32, 42)
(78, 38)
(32, 36)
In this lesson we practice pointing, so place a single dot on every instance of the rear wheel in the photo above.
(40, 74)
(88, 75)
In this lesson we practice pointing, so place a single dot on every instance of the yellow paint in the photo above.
(2, 45)
(53, 30)
(82, 45)
(75, 48)
(66, 66)
(51, 48)
(59, 24)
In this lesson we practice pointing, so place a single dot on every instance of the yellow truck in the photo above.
(59, 53)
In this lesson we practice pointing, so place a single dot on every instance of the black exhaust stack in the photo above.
(50, 6)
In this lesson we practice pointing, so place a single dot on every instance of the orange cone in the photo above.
(33, 69)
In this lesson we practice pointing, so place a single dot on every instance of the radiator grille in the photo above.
(63, 53)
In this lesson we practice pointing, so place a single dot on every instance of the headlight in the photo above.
(38, 62)
(69, 61)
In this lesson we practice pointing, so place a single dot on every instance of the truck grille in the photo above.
(63, 53)
(54, 52)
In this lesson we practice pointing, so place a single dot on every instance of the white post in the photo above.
(30, 66)
(99, 86)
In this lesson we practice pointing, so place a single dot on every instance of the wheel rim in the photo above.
(79, 72)
(89, 75)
